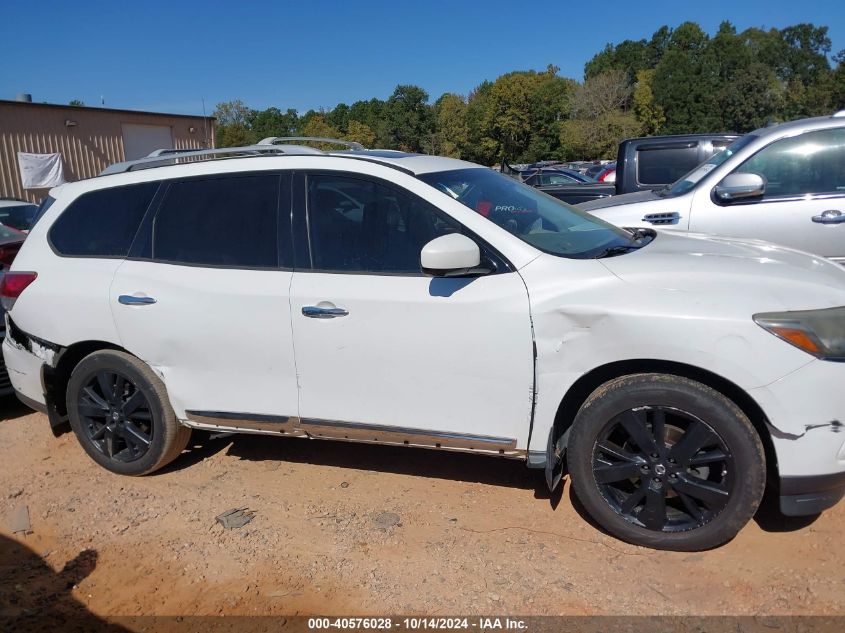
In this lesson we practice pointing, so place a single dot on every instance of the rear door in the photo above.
(204, 298)
(385, 353)
(804, 203)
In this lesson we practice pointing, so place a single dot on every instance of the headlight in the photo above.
(817, 332)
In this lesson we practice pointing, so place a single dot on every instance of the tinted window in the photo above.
(219, 222)
(663, 166)
(102, 223)
(813, 162)
(360, 225)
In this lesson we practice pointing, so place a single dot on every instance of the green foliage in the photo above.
(360, 133)
(76, 102)
(731, 81)
(600, 118)
(409, 118)
(679, 80)
(451, 127)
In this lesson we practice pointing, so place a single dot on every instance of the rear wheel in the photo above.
(121, 415)
(666, 462)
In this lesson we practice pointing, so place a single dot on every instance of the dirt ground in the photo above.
(356, 529)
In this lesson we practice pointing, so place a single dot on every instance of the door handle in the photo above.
(131, 300)
(316, 312)
(831, 216)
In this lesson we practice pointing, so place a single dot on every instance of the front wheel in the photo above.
(666, 462)
(121, 415)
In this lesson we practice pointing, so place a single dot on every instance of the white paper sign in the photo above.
(40, 170)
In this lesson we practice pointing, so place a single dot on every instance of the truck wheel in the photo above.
(666, 462)
(121, 415)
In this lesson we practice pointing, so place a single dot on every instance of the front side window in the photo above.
(810, 163)
(102, 223)
(229, 221)
(358, 225)
(534, 217)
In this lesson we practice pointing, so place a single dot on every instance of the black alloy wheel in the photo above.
(663, 468)
(116, 416)
(665, 461)
(120, 412)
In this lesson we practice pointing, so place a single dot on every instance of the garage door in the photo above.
(140, 140)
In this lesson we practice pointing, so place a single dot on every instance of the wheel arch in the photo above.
(54, 379)
(577, 394)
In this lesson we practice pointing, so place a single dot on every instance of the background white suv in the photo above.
(385, 297)
(783, 184)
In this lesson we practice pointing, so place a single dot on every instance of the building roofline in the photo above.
(29, 104)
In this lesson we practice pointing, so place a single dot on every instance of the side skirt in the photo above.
(351, 432)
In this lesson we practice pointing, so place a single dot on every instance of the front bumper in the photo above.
(800, 496)
(806, 416)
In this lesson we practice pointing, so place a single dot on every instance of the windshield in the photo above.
(691, 179)
(534, 217)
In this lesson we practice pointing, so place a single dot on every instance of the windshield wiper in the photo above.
(620, 249)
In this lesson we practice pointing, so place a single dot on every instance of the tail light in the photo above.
(12, 285)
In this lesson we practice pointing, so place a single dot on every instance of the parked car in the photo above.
(553, 176)
(10, 243)
(608, 174)
(783, 184)
(17, 214)
(642, 163)
(385, 297)
(563, 187)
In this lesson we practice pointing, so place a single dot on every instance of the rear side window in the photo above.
(102, 223)
(228, 221)
(665, 165)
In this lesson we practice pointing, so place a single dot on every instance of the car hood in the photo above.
(613, 201)
(771, 277)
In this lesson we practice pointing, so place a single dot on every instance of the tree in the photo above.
(649, 114)
(600, 119)
(318, 126)
(272, 122)
(451, 128)
(360, 133)
(76, 102)
(233, 124)
(409, 118)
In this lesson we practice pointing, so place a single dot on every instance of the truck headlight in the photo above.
(817, 332)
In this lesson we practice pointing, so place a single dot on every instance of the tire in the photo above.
(121, 415)
(709, 468)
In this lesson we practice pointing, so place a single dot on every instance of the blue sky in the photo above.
(168, 56)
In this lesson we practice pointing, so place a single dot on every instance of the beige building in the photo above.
(88, 139)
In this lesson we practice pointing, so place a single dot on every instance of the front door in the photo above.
(205, 300)
(387, 354)
(803, 206)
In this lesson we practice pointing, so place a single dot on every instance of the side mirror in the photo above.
(452, 255)
(740, 186)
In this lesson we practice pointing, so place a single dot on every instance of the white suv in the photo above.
(783, 184)
(384, 297)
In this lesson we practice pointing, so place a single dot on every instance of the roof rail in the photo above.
(165, 157)
(272, 140)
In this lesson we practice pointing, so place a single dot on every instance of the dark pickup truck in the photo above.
(651, 162)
